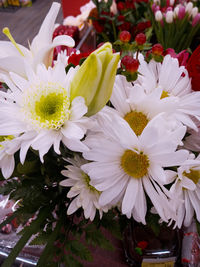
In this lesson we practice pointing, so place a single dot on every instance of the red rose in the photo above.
(120, 6)
(193, 67)
(98, 27)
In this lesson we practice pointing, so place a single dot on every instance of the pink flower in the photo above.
(182, 56)
(181, 12)
(196, 20)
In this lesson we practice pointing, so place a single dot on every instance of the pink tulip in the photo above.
(196, 20)
(181, 12)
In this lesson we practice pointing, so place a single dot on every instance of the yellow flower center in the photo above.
(135, 164)
(137, 121)
(46, 105)
(193, 175)
(164, 94)
(87, 181)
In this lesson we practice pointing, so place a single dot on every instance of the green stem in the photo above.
(114, 31)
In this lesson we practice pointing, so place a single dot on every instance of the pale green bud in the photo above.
(95, 78)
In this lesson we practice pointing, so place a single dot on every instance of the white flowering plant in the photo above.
(84, 149)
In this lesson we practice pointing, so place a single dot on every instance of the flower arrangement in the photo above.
(84, 149)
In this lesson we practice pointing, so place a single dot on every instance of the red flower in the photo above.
(193, 67)
(126, 26)
(142, 244)
(121, 18)
(98, 27)
(75, 58)
(129, 4)
(120, 6)
(67, 30)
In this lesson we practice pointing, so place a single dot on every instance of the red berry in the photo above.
(140, 38)
(125, 36)
(157, 49)
(130, 64)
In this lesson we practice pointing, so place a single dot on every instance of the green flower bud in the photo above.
(95, 78)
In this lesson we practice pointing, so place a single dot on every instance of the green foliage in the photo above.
(79, 250)
(153, 222)
(110, 221)
(72, 262)
(97, 239)
(198, 227)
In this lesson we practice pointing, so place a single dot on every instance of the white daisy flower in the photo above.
(125, 166)
(187, 188)
(86, 196)
(40, 111)
(173, 80)
(136, 106)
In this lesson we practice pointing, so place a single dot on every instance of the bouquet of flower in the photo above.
(84, 149)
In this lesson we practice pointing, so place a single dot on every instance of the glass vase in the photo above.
(144, 247)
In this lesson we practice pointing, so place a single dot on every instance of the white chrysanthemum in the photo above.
(137, 107)
(86, 196)
(40, 111)
(125, 166)
(187, 188)
(174, 82)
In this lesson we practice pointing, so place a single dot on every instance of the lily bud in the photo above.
(95, 78)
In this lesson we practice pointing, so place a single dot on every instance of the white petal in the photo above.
(7, 165)
(130, 195)
(72, 131)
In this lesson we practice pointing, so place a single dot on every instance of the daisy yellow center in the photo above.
(137, 121)
(46, 105)
(87, 181)
(5, 138)
(164, 94)
(135, 164)
(193, 175)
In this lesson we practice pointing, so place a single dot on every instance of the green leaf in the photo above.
(198, 226)
(69, 66)
(95, 237)
(110, 222)
(78, 249)
(40, 239)
(72, 262)
(28, 167)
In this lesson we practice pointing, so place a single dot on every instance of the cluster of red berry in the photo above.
(129, 61)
